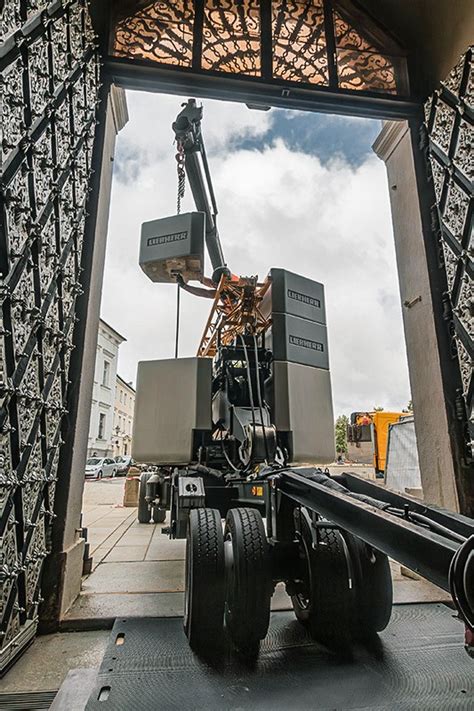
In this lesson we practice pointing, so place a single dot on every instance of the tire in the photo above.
(204, 584)
(325, 602)
(248, 580)
(373, 587)
(144, 513)
(158, 515)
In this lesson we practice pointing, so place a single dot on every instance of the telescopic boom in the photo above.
(187, 130)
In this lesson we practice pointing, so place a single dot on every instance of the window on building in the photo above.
(105, 373)
(125, 398)
(121, 396)
(101, 433)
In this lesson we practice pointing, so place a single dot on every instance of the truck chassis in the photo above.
(327, 538)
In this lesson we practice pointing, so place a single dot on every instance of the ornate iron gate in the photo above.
(449, 117)
(50, 73)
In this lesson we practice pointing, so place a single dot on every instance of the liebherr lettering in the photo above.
(306, 343)
(303, 298)
(166, 239)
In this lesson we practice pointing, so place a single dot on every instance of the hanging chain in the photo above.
(180, 158)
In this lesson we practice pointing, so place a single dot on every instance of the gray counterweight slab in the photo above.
(418, 662)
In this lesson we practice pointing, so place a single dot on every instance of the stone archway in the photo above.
(60, 115)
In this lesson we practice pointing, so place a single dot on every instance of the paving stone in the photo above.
(102, 609)
(126, 553)
(147, 576)
(132, 540)
(412, 591)
(166, 549)
(45, 664)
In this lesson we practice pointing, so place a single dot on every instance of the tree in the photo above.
(341, 434)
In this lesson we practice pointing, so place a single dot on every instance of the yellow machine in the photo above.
(373, 427)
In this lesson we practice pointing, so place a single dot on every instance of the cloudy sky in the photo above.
(294, 190)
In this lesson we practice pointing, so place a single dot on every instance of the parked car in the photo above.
(123, 463)
(97, 467)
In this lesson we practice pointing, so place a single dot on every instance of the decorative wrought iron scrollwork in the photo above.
(365, 71)
(12, 106)
(160, 32)
(299, 42)
(39, 76)
(361, 65)
(231, 37)
(229, 34)
(59, 48)
(10, 18)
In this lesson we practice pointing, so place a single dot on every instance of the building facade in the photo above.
(123, 418)
(100, 442)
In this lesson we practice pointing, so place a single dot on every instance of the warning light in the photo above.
(257, 490)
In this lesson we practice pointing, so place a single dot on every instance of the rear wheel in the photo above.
(158, 515)
(144, 513)
(204, 586)
(248, 579)
(323, 601)
(373, 587)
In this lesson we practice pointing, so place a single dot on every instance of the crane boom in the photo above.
(187, 130)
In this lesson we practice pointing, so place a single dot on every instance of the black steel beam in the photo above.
(421, 550)
(143, 76)
(456, 522)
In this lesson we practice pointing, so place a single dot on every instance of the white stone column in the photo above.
(63, 569)
(393, 146)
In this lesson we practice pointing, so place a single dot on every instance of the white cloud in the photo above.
(277, 208)
(149, 134)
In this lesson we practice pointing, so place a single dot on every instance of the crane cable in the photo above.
(180, 160)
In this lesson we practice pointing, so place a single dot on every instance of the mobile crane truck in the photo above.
(231, 432)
